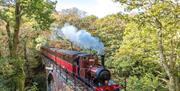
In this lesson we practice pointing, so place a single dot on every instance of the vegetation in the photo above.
(142, 50)
(20, 19)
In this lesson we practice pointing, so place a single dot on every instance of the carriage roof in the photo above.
(69, 52)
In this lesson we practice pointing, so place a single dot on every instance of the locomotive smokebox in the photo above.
(102, 59)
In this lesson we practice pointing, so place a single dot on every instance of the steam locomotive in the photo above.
(83, 66)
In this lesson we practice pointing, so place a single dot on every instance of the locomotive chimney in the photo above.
(102, 59)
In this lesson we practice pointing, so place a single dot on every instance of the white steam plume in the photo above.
(80, 38)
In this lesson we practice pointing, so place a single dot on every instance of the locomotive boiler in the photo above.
(82, 66)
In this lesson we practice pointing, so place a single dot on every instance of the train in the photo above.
(83, 66)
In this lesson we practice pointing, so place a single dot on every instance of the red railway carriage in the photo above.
(82, 66)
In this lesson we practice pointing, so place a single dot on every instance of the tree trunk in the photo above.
(21, 75)
(9, 38)
(171, 82)
(16, 28)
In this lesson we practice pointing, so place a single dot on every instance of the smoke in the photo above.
(80, 38)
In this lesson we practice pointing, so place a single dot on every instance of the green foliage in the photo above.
(33, 87)
(11, 73)
(6, 14)
(87, 22)
(146, 83)
(20, 17)
(40, 41)
(6, 80)
(40, 11)
(72, 16)
(37, 10)
(110, 31)
(40, 79)
(131, 41)
(139, 52)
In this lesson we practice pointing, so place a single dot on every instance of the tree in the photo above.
(87, 22)
(72, 16)
(110, 30)
(135, 58)
(15, 14)
(162, 17)
(38, 10)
